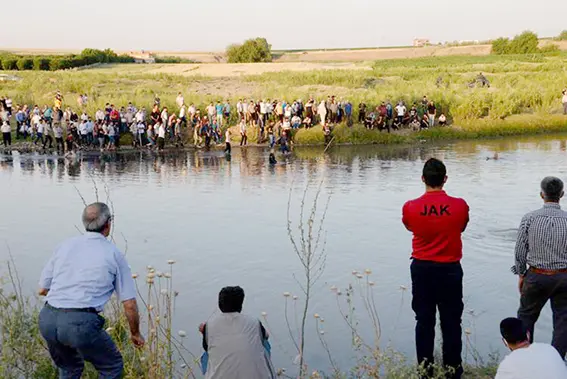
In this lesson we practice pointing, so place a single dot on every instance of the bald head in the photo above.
(97, 217)
(551, 189)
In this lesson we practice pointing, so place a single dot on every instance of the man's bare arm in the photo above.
(133, 317)
(43, 291)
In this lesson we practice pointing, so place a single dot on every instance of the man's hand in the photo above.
(43, 292)
(202, 328)
(520, 282)
(138, 340)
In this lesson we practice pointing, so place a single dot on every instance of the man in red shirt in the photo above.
(437, 221)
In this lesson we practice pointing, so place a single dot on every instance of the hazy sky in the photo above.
(211, 25)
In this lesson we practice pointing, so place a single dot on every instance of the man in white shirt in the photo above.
(564, 100)
(161, 136)
(401, 112)
(99, 115)
(528, 361)
(180, 100)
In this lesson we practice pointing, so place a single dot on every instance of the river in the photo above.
(224, 223)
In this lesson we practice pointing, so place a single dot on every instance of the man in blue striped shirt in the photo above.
(541, 263)
(78, 281)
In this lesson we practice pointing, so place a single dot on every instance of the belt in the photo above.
(548, 272)
(84, 310)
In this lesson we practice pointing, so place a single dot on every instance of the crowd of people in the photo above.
(64, 128)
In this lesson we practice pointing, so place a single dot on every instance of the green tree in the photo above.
(41, 64)
(9, 63)
(25, 64)
(562, 36)
(251, 51)
(525, 43)
(500, 46)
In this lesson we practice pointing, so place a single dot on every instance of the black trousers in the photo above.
(48, 139)
(536, 291)
(7, 139)
(438, 286)
(59, 143)
(227, 148)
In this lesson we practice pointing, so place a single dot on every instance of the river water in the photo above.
(224, 223)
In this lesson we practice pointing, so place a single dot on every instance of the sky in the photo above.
(211, 25)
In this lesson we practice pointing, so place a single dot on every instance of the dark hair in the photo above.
(513, 330)
(231, 299)
(552, 188)
(434, 172)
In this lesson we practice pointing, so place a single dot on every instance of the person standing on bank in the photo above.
(437, 221)
(541, 263)
(78, 281)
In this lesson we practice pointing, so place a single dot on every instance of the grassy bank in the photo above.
(470, 129)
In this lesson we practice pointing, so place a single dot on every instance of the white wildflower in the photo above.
(295, 297)
(368, 271)
(316, 315)
(171, 262)
(371, 283)
(286, 294)
(134, 276)
(182, 333)
(333, 288)
(359, 276)
(163, 292)
(109, 329)
(264, 314)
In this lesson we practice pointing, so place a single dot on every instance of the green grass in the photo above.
(523, 88)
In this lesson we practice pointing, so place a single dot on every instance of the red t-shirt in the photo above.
(436, 221)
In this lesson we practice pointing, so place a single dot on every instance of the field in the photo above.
(521, 85)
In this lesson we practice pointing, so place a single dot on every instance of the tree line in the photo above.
(61, 62)
(525, 43)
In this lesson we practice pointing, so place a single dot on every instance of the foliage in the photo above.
(501, 46)
(562, 36)
(41, 64)
(25, 64)
(550, 49)
(251, 51)
(173, 60)
(9, 63)
(60, 62)
(525, 43)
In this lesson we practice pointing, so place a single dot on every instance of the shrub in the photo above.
(525, 43)
(25, 64)
(9, 63)
(251, 51)
(500, 46)
(562, 36)
(41, 64)
(550, 49)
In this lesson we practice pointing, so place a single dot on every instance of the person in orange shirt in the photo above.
(437, 221)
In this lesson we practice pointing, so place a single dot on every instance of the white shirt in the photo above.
(192, 110)
(9, 103)
(180, 100)
(161, 131)
(99, 115)
(244, 107)
(539, 360)
(227, 135)
(41, 128)
(263, 108)
(182, 112)
(401, 110)
(139, 116)
(211, 110)
(84, 117)
(36, 119)
(565, 99)
(58, 132)
(239, 106)
(83, 128)
(6, 128)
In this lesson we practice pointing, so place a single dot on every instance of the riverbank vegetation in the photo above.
(61, 62)
(524, 95)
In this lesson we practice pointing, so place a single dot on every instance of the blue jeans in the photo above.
(74, 337)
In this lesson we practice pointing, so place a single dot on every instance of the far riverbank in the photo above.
(520, 125)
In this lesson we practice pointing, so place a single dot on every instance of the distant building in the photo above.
(421, 42)
(143, 57)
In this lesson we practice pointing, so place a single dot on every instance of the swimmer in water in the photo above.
(494, 157)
